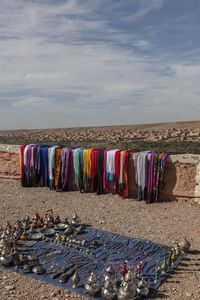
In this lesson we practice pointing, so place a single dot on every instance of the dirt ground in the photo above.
(161, 222)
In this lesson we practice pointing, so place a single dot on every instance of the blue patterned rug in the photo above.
(112, 249)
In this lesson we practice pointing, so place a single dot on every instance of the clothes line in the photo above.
(93, 169)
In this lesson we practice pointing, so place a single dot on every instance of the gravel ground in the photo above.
(161, 222)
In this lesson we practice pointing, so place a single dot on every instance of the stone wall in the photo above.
(9, 162)
(182, 178)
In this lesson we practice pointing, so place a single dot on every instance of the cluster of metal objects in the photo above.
(121, 284)
(174, 253)
(129, 286)
(35, 228)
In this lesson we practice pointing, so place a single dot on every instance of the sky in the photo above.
(71, 63)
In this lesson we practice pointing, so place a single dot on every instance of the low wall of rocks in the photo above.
(182, 177)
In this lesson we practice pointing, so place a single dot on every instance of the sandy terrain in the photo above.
(160, 222)
(184, 131)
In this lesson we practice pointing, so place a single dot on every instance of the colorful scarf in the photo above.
(105, 181)
(66, 167)
(57, 179)
(87, 168)
(123, 178)
(94, 158)
(78, 167)
(100, 169)
(141, 174)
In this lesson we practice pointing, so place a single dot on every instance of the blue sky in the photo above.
(66, 63)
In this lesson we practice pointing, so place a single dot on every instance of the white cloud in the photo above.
(66, 60)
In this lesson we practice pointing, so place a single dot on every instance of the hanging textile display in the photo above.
(93, 169)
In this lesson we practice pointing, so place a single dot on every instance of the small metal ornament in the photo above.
(75, 221)
(68, 230)
(38, 269)
(169, 260)
(8, 226)
(79, 229)
(139, 268)
(57, 219)
(143, 288)
(36, 216)
(26, 223)
(185, 245)
(177, 250)
(24, 236)
(27, 268)
(173, 256)
(66, 221)
(92, 284)
(109, 290)
(75, 279)
(127, 291)
(129, 276)
(158, 271)
(164, 266)
(123, 269)
(40, 222)
(6, 259)
(64, 277)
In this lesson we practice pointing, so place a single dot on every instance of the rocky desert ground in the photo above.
(165, 223)
(182, 131)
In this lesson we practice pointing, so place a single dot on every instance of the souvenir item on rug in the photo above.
(127, 290)
(92, 284)
(143, 288)
(109, 289)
